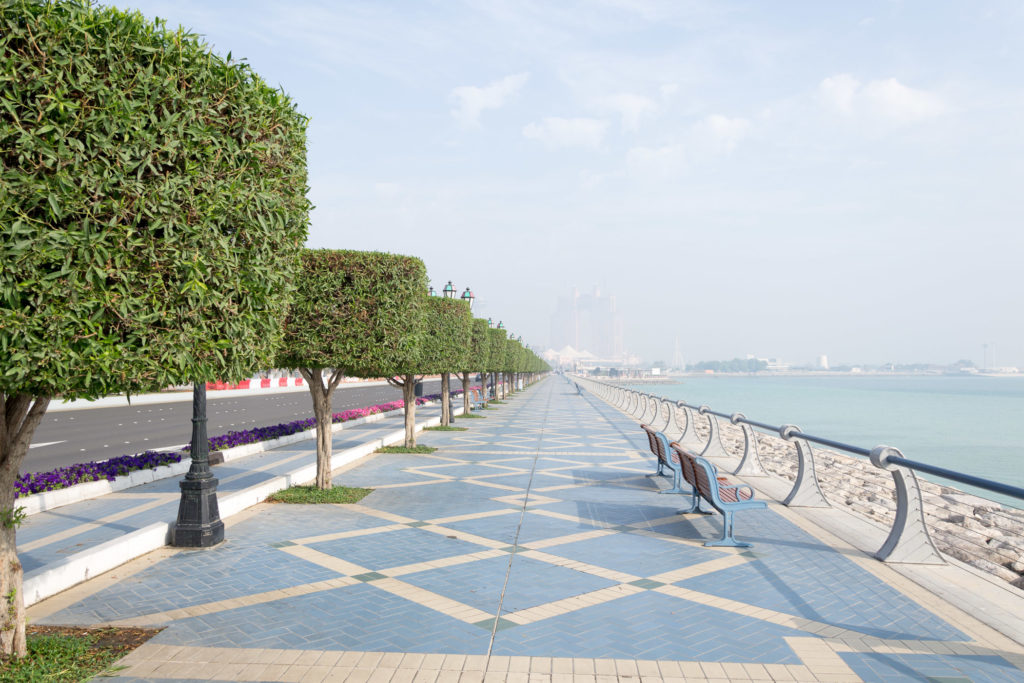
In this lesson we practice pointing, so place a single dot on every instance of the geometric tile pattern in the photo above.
(534, 539)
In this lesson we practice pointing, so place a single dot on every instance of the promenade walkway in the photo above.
(532, 547)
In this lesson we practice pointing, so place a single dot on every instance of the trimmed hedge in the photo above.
(448, 328)
(153, 203)
(359, 311)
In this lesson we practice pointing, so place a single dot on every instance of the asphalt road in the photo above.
(73, 436)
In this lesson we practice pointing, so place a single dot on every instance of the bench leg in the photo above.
(677, 484)
(695, 506)
(727, 538)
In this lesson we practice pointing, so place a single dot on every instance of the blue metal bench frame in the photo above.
(474, 398)
(660, 448)
(726, 498)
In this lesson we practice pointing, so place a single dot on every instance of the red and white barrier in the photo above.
(257, 383)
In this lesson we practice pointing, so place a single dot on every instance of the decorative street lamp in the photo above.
(501, 325)
(490, 322)
(468, 297)
(199, 524)
(430, 291)
(449, 290)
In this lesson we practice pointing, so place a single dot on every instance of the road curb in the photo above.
(48, 500)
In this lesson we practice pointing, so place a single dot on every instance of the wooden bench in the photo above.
(727, 498)
(659, 447)
(474, 398)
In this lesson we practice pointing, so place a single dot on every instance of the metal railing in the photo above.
(909, 540)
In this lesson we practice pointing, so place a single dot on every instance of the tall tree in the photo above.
(377, 313)
(448, 328)
(153, 203)
(496, 357)
(340, 298)
(476, 359)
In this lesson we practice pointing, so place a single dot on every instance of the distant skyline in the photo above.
(786, 179)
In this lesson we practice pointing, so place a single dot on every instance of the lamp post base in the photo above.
(199, 524)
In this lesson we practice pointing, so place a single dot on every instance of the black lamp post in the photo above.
(490, 322)
(468, 297)
(430, 291)
(449, 290)
(199, 524)
(501, 325)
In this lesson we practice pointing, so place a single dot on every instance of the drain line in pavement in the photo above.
(515, 540)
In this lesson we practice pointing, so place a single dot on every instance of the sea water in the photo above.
(974, 424)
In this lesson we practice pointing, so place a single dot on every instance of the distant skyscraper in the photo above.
(677, 357)
(588, 322)
(823, 362)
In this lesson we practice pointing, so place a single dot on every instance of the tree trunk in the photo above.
(465, 392)
(446, 399)
(321, 394)
(20, 414)
(409, 397)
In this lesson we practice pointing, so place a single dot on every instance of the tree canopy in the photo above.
(375, 310)
(448, 330)
(153, 199)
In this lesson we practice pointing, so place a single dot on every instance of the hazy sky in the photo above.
(782, 179)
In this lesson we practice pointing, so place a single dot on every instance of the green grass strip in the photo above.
(446, 428)
(472, 415)
(403, 449)
(305, 495)
(58, 658)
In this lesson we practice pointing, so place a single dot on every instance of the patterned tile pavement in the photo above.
(532, 547)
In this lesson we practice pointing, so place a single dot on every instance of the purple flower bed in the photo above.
(63, 477)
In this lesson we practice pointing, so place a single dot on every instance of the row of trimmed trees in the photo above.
(152, 215)
(368, 314)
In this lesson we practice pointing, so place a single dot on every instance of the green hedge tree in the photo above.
(496, 357)
(378, 321)
(511, 363)
(152, 204)
(446, 346)
(343, 300)
(476, 359)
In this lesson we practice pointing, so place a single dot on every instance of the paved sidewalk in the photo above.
(533, 547)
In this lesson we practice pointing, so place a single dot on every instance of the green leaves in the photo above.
(446, 344)
(360, 311)
(152, 205)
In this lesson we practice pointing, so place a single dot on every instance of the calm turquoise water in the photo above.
(975, 424)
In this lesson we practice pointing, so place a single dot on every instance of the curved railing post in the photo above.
(909, 540)
(640, 408)
(750, 464)
(663, 409)
(652, 400)
(689, 438)
(645, 408)
(672, 429)
(714, 448)
(634, 402)
(806, 491)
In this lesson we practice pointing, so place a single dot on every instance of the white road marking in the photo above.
(46, 443)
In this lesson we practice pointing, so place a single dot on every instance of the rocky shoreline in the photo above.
(976, 531)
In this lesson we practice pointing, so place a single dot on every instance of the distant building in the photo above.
(823, 362)
(588, 322)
